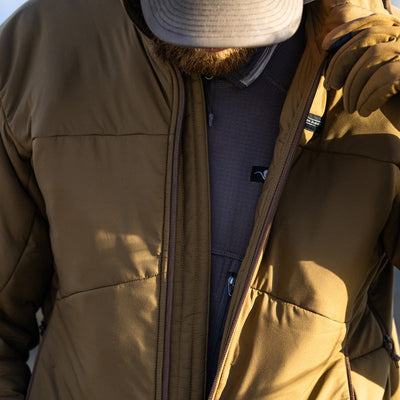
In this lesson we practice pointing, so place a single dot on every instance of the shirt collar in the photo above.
(254, 67)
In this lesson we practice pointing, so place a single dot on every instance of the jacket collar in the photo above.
(246, 75)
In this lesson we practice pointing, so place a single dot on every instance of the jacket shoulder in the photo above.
(61, 57)
(48, 31)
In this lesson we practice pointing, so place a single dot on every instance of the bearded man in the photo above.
(202, 196)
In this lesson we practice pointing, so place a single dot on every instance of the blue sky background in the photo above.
(8, 6)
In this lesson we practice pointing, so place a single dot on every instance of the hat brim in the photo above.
(223, 23)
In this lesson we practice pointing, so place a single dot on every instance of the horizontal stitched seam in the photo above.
(21, 254)
(277, 85)
(228, 254)
(99, 135)
(34, 216)
(109, 286)
(349, 154)
(366, 354)
(296, 305)
(10, 133)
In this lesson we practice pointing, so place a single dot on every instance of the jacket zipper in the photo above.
(268, 220)
(43, 330)
(352, 391)
(172, 237)
(388, 342)
(171, 247)
(231, 283)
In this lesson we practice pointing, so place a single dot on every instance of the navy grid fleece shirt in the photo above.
(243, 116)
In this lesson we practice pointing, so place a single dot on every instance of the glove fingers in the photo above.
(382, 85)
(345, 58)
(364, 70)
(357, 26)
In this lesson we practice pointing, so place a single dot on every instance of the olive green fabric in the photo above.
(367, 65)
(87, 124)
(88, 121)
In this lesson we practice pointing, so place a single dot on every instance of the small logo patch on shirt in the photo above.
(258, 174)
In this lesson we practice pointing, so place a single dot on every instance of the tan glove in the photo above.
(367, 65)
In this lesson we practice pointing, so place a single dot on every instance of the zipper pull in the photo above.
(210, 119)
(231, 283)
(42, 327)
(210, 83)
(388, 344)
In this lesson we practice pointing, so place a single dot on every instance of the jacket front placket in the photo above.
(287, 151)
(185, 343)
(272, 191)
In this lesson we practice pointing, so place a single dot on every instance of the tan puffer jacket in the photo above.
(104, 222)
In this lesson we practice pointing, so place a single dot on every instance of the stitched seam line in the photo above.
(8, 126)
(297, 306)
(108, 286)
(22, 253)
(396, 244)
(277, 85)
(163, 261)
(33, 214)
(228, 254)
(100, 135)
(4, 112)
(366, 354)
(349, 155)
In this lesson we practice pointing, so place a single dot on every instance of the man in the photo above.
(202, 196)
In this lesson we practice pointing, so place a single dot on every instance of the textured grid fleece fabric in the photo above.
(243, 126)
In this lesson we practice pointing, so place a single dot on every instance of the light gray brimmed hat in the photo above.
(223, 23)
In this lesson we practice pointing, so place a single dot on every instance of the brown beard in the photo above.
(197, 61)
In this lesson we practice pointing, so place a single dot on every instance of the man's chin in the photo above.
(197, 61)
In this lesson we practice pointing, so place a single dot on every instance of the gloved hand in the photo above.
(367, 64)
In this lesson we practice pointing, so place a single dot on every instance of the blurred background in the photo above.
(8, 6)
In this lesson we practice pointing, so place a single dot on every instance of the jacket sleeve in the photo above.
(25, 264)
(391, 234)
